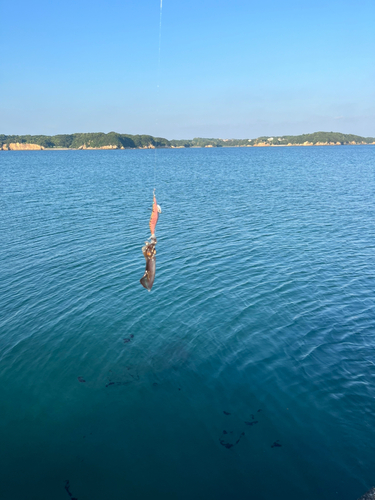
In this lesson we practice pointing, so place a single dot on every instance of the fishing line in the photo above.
(149, 251)
(157, 87)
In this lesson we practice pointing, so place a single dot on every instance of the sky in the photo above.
(238, 69)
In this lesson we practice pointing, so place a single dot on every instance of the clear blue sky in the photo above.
(229, 69)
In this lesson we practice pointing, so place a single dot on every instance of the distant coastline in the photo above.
(115, 141)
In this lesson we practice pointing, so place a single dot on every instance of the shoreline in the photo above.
(113, 140)
(26, 148)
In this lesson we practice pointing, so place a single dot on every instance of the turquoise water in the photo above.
(249, 370)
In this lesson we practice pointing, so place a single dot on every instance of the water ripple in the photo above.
(263, 300)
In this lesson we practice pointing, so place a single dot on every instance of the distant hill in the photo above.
(317, 138)
(99, 140)
(113, 140)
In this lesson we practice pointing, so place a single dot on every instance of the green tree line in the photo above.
(99, 139)
(94, 140)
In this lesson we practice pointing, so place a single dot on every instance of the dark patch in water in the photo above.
(252, 423)
(276, 444)
(81, 379)
(128, 339)
(67, 489)
(227, 444)
(155, 384)
(124, 378)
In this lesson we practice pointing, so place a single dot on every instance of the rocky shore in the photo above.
(35, 147)
(114, 141)
(17, 146)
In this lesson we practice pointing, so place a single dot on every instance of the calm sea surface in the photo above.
(249, 370)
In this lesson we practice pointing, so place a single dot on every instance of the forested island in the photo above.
(113, 140)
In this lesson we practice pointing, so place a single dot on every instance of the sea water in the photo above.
(249, 370)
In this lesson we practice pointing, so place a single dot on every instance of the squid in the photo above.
(149, 250)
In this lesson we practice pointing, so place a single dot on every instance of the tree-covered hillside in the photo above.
(94, 140)
(123, 141)
(317, 138)
(285, 140)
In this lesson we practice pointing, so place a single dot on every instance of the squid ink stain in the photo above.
(228, 445)
(276, 444)
(67, 489)
(81, 379)
(226, 412)
(238, 440)
(124, 378)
